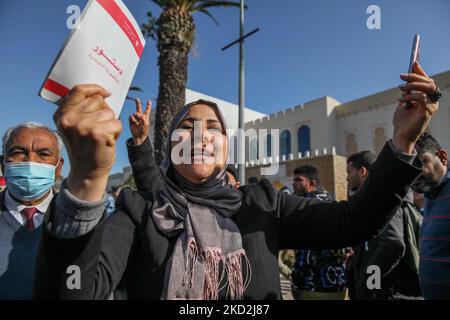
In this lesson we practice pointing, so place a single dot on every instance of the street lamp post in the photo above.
(241, 136)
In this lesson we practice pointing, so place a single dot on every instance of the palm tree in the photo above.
(133, 89)
(174, 31)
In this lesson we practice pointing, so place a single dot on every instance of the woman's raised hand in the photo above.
(89, 129)
(140, 122)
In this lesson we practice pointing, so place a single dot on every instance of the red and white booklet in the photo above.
(104, 50)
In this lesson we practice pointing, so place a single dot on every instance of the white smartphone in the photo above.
(414, 53)
(414, 58)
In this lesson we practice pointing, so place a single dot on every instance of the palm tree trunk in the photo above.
(175, 38)
(171, 96)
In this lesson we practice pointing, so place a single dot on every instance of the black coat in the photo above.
(129, 243)
(387, 251)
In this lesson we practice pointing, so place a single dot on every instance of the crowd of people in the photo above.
(192, 230)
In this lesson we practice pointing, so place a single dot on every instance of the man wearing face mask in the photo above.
(30, 162)
(434, 182)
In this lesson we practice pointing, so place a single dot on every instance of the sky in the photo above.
(305, 49)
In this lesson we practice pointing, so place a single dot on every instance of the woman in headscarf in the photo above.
(197, 237)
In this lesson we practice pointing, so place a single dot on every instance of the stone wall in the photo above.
(332, 171)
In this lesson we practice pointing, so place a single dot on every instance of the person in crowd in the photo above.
(356, 176)
(198, 237)
(2, 183)
(281, 187)
(358, 166)
(434, 183)
(306, 183)
(316, 274)
(139, 123)
(233, 176)
(253, 180)
(390, 250)
(30, 161)
(286, 257)
(285, 189)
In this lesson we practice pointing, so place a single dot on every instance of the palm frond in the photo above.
(149, 28)
(162, 3)
(133, 88)
(212, 3)
(209, 15)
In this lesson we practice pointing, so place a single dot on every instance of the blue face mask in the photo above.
(29, 181)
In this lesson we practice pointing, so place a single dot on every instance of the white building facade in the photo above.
(325, 126)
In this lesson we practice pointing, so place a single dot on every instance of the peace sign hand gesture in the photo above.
(140, 122)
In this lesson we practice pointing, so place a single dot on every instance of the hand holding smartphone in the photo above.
(414, 58)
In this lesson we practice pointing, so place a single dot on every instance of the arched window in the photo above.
(304, 139)
(269, 145)
(350, 143)
(285, 143)
(253, 152)
(379, 140)
(233, 148)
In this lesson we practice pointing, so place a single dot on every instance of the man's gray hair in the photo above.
(31, 125)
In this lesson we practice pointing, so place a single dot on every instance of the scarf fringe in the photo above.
(212, 258)
(191, 260)
(237, 284)
(232, 265)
